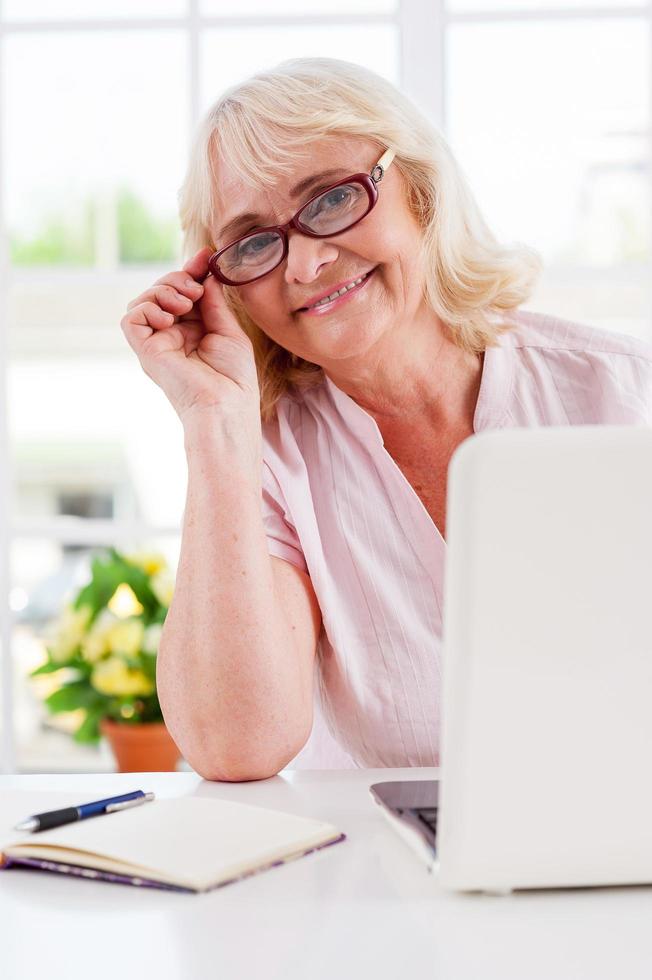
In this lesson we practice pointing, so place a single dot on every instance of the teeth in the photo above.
(340, 292)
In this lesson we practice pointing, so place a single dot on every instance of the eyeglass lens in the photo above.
(331, 212)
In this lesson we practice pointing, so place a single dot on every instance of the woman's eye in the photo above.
(253, 246)
(337, 199)
(334, 198)
(337, 196)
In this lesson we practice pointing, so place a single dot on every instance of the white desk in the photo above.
(365, 908)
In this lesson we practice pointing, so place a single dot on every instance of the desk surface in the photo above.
(365, 909)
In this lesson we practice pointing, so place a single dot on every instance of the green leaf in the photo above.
(138, 580)
(84, 668)
(148, 667)
(49, 667)
(99, 590)
(159, 615)
(107, 574)
(77, 694)
(89, 730)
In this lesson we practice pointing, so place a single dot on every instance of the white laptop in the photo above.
(546, 742)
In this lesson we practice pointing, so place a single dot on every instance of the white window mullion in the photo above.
(649, 143)
(194, 56)
(7, 748)
(422, 59)
(66, 529)
(97, 24)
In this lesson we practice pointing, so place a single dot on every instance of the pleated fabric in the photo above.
(336, 505)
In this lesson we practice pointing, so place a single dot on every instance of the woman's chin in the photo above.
(344, 340)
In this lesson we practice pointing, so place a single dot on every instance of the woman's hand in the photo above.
(189, 342)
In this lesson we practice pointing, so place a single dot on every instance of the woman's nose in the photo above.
(307, 256)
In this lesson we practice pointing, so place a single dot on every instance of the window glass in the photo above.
(95, 146)
(94, 439)
(230, 55)
(618, 299)
(558, 156)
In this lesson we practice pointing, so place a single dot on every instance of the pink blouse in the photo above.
(337, 505)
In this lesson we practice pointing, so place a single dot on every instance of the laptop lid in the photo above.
(547, 686)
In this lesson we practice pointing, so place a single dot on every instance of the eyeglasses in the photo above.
(331, 212)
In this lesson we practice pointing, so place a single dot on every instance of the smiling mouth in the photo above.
(354, 284)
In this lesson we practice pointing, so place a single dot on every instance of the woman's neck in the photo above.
(427, 380)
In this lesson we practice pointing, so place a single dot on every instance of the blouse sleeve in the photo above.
(282, 538)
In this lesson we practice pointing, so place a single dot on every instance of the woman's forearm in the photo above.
(236, 698)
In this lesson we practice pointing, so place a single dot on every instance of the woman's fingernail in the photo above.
(191, 282)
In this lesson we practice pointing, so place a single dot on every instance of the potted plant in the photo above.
(102, 653)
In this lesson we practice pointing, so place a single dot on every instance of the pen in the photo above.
(56, 818)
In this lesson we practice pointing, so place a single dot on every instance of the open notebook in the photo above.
(189, 843)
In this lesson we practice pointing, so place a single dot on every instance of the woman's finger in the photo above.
(197, 266)
(167, 297)
(141, 322)
(217, 315)
(182, 282)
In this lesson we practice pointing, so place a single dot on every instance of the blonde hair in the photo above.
(262, 127)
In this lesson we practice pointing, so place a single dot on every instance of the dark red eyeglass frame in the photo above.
(369, 182)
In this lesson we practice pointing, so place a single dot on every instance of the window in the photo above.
(548, 112)
(94, 149)
(555, 142)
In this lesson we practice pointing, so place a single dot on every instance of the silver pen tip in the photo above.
(30, 824)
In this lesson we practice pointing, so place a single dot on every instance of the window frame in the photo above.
(421, 27)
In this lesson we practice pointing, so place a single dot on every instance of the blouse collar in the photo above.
(492, 406)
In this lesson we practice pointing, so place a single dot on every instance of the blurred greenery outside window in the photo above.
(111, 463)
(141, 235)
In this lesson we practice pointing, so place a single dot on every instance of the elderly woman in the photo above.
(346, 319)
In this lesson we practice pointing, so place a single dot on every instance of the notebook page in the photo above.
(193, 841)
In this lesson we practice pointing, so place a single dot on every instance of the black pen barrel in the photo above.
(56, 818)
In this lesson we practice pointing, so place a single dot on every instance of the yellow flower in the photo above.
(126, 637)
(151, 561)
(111, 635)
(94, 647)
(113, 677)
(124, 603)
(162, 585)
(68, 632)
(96, 643)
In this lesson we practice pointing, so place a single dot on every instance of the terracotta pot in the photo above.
(143, 747)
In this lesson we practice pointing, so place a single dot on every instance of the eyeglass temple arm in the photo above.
(382, 165)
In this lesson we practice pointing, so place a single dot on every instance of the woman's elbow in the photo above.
(242, 767)
(235, 774)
